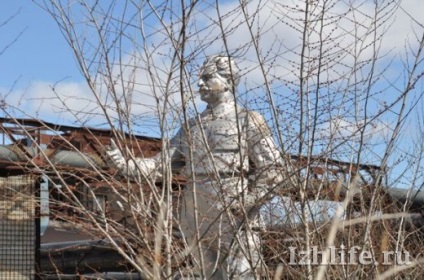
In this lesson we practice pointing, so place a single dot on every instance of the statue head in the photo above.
(218, 77)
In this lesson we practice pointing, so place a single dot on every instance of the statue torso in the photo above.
(216, 143)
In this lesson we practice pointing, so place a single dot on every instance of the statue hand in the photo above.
(136, 168)
(115, 155)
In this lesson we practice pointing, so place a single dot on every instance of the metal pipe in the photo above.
(403, 195)
(80, 256)
(413, 196)
(13, 153)
(79, 244)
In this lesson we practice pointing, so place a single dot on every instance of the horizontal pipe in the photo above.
(13, 153)
(83, 263)
(404, 195)
(80, 244)
(81, 256)
(413, 197)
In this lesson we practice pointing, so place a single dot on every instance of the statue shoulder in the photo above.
(257, 122)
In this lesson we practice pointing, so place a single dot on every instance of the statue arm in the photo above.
(144, 168)
(263, 152)
(134, 167)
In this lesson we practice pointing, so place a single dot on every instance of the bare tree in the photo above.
(321, 74)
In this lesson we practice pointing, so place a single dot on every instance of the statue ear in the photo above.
(222, 63)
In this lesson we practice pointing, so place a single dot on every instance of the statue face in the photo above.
(212, 86)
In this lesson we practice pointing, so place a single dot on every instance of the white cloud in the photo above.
(339, 128)
(277, 41)
(277, 29)
(404, 25)
(65, 101)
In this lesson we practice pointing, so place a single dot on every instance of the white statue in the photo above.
(231, 163)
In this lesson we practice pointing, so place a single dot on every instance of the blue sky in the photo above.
(41, 57)
(39, 54)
